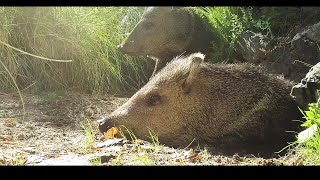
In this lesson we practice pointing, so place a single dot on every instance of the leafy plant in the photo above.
(308, 141)
(90, 132)
(312, 116)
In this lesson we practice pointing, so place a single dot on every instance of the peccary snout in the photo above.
(105, 124)
(128, 48)
(120, 47)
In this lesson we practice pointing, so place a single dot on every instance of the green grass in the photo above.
(153, 154)
(86, 35)
(90, 131)
(140, 155)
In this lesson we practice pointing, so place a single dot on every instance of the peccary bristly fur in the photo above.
(166, 32)
(221, 105)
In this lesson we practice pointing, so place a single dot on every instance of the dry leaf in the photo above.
(8, 142)
(10, 122)
(111, 133)
(195, 157)
(6, 138)
(298, 161)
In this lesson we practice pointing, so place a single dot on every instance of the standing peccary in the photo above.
(166, 32)
(221, 105)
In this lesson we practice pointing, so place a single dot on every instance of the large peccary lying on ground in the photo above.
(166, 32)
(229, 106)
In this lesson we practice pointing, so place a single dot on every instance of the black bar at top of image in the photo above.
(158, 3)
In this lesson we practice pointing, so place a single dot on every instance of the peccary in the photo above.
(231, 106)
(166, 32)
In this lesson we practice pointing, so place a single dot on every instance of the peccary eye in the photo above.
(153, 100)
(148, 25)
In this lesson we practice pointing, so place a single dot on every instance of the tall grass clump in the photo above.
(87, 35)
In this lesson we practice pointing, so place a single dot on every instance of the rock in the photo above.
(307, 134)
(66, 160)
(305, 92)
(279, 56)
(311, 32)
(110, 142)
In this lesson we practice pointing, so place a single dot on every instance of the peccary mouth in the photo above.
(105, 124)
(130, 50)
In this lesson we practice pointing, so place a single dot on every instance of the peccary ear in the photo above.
(195, 60)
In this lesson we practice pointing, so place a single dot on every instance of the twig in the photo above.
(304, 63)
(16, 86)
(48, 59)
(190, 143)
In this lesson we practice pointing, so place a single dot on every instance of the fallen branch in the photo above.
(48, 59)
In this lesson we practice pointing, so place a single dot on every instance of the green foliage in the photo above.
(90, 131)
(312, 115)
(230, 23)
(154, 138)
(96, 161)
(141, 155)
(310, 147)
(15, 159)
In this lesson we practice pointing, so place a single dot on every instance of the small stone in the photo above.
(109, 142)
(21, 137)
(29, 150)
(236, 157)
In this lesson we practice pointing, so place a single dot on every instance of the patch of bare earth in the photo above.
(50, 133)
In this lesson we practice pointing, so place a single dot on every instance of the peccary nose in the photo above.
(122, 48)
(128, 47)
(104, 124)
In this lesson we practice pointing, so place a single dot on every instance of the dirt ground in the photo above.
(51, 133)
